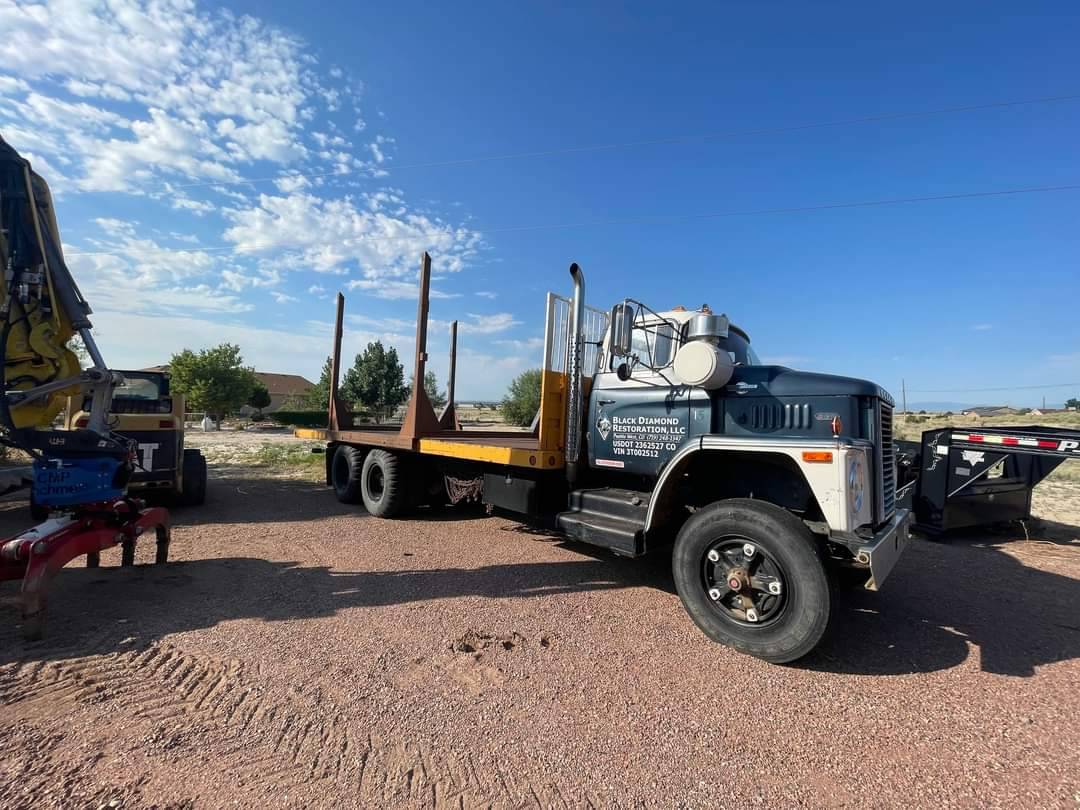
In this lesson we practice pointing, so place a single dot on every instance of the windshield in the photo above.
(653, 344)
(739, 348)
(139, 386)
(655, 341)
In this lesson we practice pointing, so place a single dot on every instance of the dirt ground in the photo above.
(297, 652)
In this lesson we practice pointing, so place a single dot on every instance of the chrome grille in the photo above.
(887, 460)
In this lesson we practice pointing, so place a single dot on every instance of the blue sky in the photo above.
(221, 171)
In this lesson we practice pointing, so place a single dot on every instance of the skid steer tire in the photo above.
(194, 480)
(383, 484)
(345, 469)
(757, 545)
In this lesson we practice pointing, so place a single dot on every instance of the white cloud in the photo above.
(9, 86)
(487, 294)
(290, 183)
(332, 235)
(125, 270)
(96, 90)
(488, 324)
(219, 90)
(533, 344)
(982, 327)
(190, 110)
(197, 207)
(395, 290)
(472, 324)
(134, 341)
(268, 140)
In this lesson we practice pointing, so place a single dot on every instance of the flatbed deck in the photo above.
(423, 431)
(512, 448)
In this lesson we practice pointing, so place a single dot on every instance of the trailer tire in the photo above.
(711, 549)
(346, 467)
(382, 484)
(193, 484)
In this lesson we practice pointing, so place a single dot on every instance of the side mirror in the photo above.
(622, 327)
(623, 372)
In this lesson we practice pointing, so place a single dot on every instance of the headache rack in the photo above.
(961, 477)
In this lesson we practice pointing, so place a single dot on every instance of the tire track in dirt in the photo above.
(280, 740)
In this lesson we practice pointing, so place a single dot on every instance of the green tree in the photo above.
(376, 380)
(522, 401)
(213, 380)
(318, 396)
(1072, 403)
(260, 398)
(436, 397)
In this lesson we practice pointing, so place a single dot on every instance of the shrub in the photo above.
(523, 399)
(308, 419)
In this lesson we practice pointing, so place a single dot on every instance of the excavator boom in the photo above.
(41, 310)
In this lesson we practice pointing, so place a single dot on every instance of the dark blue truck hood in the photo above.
(780, 382)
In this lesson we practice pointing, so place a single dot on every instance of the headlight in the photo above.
(856, 486)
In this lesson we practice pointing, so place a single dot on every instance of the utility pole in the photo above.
(903, 391)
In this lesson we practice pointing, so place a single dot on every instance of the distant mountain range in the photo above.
(956, 407)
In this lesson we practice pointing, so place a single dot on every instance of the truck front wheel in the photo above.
(382, 484)
(751, 576)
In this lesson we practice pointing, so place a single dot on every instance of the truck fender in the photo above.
(826, 480)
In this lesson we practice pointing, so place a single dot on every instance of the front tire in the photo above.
(752, 577)
(382, 484)
(193, 483)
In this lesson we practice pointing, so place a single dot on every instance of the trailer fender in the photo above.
(826, 466)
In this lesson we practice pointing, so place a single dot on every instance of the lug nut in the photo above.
(714, 556)
(749, 550)
(714, 593)
(774, 588)
(751, 615)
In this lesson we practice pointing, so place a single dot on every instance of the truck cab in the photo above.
(768, 480)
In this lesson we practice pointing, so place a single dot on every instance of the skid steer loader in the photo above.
(145, 411)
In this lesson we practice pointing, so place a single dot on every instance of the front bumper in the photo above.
(885, 549)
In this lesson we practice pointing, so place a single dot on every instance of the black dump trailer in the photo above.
(959, 477)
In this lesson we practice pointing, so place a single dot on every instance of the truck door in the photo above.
(636, 425)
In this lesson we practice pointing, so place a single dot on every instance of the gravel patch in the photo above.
(297, 652)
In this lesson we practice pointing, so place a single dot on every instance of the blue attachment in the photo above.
(74, 481)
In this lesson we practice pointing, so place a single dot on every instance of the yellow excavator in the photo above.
(81, 475)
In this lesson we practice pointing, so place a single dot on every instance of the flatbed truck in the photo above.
(662, 432)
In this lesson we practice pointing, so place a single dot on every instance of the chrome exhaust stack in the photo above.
(573, 371)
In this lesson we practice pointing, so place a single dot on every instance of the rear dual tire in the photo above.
(376, 478)
(787, 623)
(345, 470)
